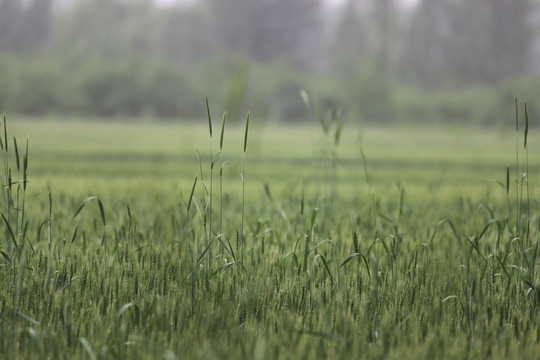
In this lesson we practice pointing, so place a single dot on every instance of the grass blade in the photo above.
(246, 133)
(355, 255)
(267, 192)
(2, 317)
(305, 98)
(337, 134)
(526, 130)
(25, 166)
(507, 180)
(74, 236)
(40, 227)
(86, 346)
(6, 257)
(313, 217)
(10, 231)
(349, 258)
(1, 142)
(191, 195)
(5, 134)
(123, 309)
(325, 264)
(223, 120)
(100, 204)
(223, 267)
(27, 318)
(207, 248)
(209, 117)
(517, 113)
(17, 160)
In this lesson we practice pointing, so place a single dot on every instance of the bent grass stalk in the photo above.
(101, 213)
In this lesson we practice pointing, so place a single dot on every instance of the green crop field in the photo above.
(158, 240)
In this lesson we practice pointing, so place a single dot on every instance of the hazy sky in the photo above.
(336, 2)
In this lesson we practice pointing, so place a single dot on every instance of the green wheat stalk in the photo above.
(221, 164)
(243, 190)
(211, 182)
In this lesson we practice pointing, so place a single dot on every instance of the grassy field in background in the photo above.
(74, 154)
(416, 252)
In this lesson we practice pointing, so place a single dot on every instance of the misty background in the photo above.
(376, 61)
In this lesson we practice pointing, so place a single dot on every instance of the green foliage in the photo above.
(473, 106)
(135, 88)
(105, 88)
(369, 94)
(34, 87)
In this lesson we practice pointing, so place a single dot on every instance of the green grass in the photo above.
(423, 262)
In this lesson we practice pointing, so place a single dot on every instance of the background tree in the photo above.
(188, 34)
(266, 30)
(24, 26)
(108, 29)
(511, 37)
(351, 39)
(427, 52)
(482, 41)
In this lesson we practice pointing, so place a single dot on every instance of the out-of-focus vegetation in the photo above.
(380, 61)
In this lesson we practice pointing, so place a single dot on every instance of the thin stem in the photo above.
(518, 181)
(220, 200)
(210, 203)
(243, 206)
(243, 190)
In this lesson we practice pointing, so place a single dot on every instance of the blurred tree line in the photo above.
(379, 60)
